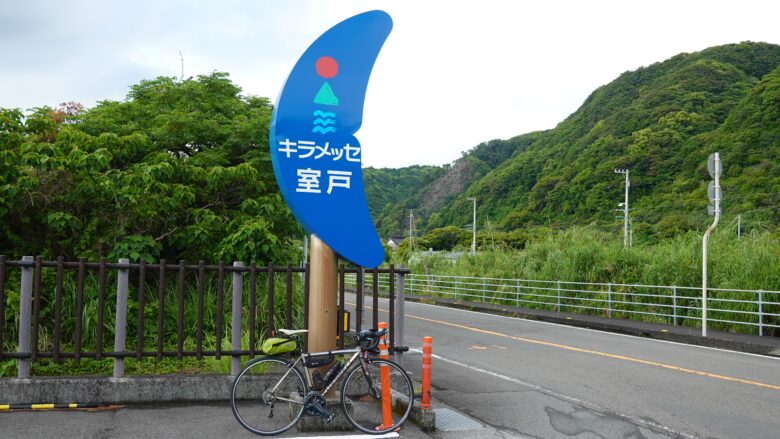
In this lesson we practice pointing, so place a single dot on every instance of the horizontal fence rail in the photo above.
(58, 310)
(736, 310)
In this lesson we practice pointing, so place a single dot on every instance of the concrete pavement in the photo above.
(170, 421)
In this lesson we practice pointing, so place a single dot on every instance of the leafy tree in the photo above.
(179, 170)
(446, 238)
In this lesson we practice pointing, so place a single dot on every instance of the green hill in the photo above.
(661, 122)
(442, 185)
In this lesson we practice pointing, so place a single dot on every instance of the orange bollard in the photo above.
(426, 374)
(387, 409)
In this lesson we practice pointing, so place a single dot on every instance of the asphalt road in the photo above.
(535, 379)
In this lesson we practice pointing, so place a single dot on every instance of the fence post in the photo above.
(760, 313)
(359, 284)
(340, 309)
(484, 287)
(391, 307)
(609, 299)
(399, 316)
(2, 308)
(25, 314)
(235, 325)
(674, 304)
(120, 331)
(558, 308)
(517, 296)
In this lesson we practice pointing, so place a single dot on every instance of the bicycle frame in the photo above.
(356, 354)
(304, 356)
(312, 401)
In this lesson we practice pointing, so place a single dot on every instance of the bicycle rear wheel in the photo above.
(375, 409)
(267, 396)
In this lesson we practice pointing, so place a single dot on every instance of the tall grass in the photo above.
(585, 254)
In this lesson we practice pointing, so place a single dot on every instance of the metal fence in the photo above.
(737, 310)
(67, 310)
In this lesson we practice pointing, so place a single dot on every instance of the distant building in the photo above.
(394, 242)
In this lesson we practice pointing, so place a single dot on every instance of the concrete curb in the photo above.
(754, 344)
(425, 419)
(103, 390)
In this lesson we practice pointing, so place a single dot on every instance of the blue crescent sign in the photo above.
(316, 157)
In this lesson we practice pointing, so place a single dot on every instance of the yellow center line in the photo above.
(598, 353)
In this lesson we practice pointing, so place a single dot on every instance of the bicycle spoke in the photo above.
(267, 396)
(368, 406)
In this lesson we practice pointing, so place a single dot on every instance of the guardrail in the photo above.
(68, 310)
(749, 311)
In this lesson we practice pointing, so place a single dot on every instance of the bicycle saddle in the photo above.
(291, 332)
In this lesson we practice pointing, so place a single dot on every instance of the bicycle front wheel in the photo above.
(378, 399)
(267, 396)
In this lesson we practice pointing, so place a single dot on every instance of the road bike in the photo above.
(272, 393)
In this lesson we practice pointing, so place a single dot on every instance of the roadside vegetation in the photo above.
(587, 254)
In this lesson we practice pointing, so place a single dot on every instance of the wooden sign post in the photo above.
(323, 289)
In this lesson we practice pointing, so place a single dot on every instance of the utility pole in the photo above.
(474, 226)
(625, 206)
(411, 230)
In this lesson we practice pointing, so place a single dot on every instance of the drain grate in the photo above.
(450, 420)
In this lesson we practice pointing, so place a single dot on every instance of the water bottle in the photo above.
(332, 372)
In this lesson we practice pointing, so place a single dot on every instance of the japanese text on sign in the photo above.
(308, 178)
(304, 149)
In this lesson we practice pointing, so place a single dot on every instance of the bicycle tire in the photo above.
(366, 411)
(256, 412)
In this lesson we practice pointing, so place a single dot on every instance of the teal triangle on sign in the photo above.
(326, 96)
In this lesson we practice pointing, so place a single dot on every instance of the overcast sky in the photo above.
(452, 74)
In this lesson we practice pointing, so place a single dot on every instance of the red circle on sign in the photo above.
(327, 67)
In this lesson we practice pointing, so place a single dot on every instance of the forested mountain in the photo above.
(661, 122)
(444, 184)
(388, 187)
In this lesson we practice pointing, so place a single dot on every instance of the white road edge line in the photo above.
(351, 436)
(601, 331)
(637, 421)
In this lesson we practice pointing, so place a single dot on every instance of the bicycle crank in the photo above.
(315, 404)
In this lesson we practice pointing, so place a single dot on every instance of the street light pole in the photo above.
(474, 226)
(411, 231)
(625, 206)
(715, 168)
